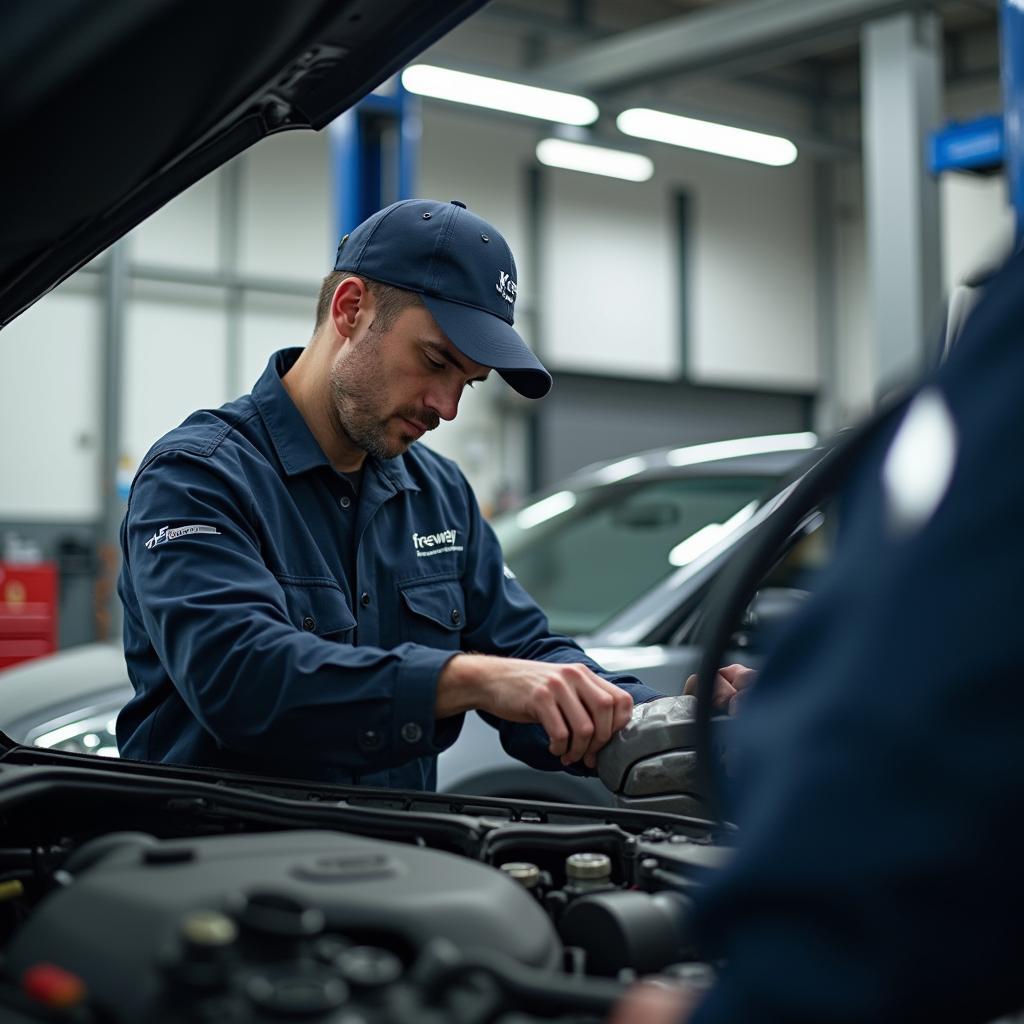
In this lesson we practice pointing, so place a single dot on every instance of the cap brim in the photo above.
(488, 340)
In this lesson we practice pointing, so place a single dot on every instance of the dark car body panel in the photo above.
(114, 109)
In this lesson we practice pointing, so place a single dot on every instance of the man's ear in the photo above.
(351, 298)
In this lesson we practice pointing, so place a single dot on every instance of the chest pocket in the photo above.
(320, 610)
(433, 613)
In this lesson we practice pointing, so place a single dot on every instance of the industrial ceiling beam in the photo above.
(694, 42)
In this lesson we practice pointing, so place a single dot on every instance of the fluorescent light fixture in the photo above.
(495, 94)
(547, 508)
(698, 453)
(708, 536)
(581, 156)
(658, 126)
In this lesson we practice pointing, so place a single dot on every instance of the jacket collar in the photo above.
(293, 441)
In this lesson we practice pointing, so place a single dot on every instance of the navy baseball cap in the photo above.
(462, 269)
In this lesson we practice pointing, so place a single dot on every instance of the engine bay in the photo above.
(135, 892)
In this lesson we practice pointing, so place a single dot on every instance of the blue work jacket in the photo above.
(276, 622)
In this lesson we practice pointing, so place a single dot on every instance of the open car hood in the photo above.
(111, 110)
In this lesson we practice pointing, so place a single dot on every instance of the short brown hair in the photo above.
(389, 300)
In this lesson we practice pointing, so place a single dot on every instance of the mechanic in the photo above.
(878, 873)
(309, 593)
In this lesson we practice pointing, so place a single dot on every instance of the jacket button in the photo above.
(364, 599)
(456, 616)
(411, 732)
(345, 501)
(369, 740)
(309, 623)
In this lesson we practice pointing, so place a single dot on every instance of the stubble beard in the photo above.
(355, 389)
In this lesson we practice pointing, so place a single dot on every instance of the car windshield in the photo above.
(586, 554)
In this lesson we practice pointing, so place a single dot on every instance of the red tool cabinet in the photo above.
(28, 611)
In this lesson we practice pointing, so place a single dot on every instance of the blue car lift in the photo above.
(374, 150)
(990, 144)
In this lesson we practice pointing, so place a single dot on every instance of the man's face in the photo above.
(388, 389)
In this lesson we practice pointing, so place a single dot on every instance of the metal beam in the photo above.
(229, 239)
(826, 407)
(901, 66)
(112, 504)
(695, 42)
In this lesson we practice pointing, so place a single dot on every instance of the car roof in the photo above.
(112, 109)
(771, 455)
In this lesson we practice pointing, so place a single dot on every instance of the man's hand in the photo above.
(578, 710)
(730, 684)
(654, 1002)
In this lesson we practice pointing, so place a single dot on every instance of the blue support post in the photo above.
(1013, 100)
(374, 149)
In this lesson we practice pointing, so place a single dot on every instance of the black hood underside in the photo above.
(112, 109)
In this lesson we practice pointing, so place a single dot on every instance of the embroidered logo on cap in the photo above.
(506, 287)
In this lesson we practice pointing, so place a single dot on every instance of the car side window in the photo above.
(614, 543)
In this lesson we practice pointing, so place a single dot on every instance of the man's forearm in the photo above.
(457, 689)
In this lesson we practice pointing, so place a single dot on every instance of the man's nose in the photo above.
(444, 401)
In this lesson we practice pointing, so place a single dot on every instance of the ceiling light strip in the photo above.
(579, 156)
(496, 94)
(691, 133)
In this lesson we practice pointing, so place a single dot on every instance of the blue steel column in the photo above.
(374, 152)
(1013, 102)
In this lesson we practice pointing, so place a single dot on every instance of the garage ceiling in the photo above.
(607, 48)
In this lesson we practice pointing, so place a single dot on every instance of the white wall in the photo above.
(287, 215)
(50, 417)
(270, 323)
(611, 294)
(185, 231)
(753, 285)
(174, 361)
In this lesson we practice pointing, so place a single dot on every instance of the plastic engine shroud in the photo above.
(137, 896)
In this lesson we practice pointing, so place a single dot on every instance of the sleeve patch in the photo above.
(169, 533)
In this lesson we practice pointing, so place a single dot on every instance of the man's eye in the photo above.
(434, 364)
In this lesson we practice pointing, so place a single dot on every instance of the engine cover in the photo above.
(118, 922)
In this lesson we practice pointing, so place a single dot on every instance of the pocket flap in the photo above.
(440, 601)
(320, 610)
